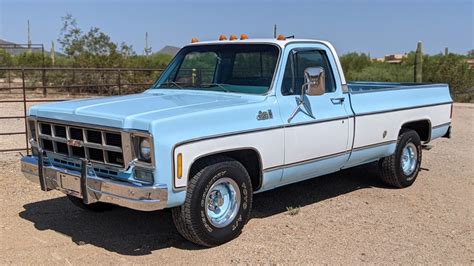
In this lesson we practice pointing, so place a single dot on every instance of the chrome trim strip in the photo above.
(373, 145)
(402, 109)
(278, 167)
(127, 147)
(308, 161)
(319, 121)
(396, 86)
(441, 125)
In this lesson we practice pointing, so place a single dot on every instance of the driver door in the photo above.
(317, 132)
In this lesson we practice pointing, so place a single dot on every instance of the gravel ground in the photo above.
(347, 217)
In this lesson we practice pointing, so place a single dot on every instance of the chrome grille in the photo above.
(96, 145)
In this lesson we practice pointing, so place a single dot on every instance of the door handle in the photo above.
(339, 100)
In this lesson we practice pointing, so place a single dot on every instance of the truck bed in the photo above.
(381, 109)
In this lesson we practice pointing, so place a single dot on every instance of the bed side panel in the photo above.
(381, 114)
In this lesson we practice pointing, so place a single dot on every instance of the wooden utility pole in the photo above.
(29, 37)
(147, 49)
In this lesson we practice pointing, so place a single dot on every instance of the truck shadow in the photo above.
(315, 190)
(135, 233)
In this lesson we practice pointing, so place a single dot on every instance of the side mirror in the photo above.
(314, 81)
(314, 85)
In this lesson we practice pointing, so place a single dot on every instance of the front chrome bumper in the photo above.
(91, 188)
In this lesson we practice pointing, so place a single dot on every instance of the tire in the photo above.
(391, 167)
(193, 219)
(93, 207)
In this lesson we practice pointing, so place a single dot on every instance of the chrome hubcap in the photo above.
(409, 159)
(222, 202)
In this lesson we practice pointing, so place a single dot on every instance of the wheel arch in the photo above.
(421, 126)
(249, 157)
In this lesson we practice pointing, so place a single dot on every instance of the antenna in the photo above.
(275, 31)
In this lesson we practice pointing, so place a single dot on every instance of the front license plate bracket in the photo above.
(69, 182)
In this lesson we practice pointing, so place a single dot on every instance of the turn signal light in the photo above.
(233, 37)
(180, 166)
(244, 36)
(281, 37)
(222, 38)
(194, 39)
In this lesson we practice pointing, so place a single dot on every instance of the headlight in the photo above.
(141, 147)
(145, 149)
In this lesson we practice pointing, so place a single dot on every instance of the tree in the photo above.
(70, 36)
(126, 50)
(5, 58)
(94, 48)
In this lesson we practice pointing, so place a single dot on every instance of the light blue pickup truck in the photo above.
(228, 119)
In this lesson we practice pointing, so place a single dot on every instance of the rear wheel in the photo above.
(218, 202)
(401, 168)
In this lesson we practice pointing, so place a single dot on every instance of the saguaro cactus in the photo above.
(419, 63)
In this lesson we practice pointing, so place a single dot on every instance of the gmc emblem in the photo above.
(75, 143)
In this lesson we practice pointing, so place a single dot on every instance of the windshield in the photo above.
(241, 68)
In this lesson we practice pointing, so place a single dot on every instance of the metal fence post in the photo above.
(120, 82)
(9, 79)
(74, 81)
(43, 73)
(25, 110)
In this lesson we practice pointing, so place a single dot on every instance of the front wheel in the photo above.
(401, 168)
(218, 202)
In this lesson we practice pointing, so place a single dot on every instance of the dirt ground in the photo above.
(348, 217)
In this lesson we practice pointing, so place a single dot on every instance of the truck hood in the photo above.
(138, 111)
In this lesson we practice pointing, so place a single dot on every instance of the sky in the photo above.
(370, 26)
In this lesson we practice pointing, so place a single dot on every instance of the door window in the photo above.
(293, 79)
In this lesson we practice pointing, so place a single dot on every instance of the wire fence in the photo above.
(33, 85)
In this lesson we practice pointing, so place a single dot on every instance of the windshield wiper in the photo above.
(216, 85)
(172, 83)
